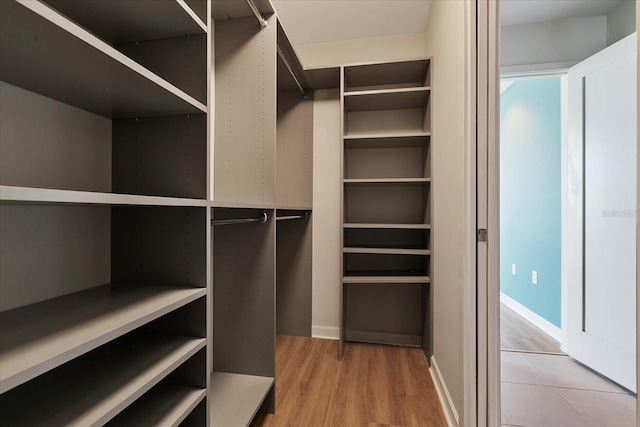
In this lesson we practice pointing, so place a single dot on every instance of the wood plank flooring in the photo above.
(373, 386)
(518, 334)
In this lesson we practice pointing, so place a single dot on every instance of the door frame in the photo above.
(488, 284)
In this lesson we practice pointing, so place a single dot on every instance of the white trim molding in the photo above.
(541, 323)
(446, 402)
(325, 332)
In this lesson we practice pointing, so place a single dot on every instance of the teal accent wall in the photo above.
(530, 194)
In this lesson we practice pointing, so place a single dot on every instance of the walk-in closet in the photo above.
(157, 209)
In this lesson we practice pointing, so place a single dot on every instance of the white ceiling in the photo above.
(317, 21)
(529, 11)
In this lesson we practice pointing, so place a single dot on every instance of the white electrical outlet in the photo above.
(513, 269)
(534, 277)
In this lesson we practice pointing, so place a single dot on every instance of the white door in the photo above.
(601, 235)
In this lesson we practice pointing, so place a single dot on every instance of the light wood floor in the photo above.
(518, 334)
(373, 386)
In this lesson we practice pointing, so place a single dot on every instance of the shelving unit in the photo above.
(387, 224)
(66, 398)
(103, 197)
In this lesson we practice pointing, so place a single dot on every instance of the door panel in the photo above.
(602, 199)
(610, 198)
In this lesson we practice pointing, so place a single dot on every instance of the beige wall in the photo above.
(550, 45)
(621, 21)
(445, 41)
(390, 48)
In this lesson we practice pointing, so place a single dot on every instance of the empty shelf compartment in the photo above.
(389, 99)
(132, 21)
(378, 279)
(361, 264)
(386, 239)
(76, 150)
(387, 75)
(93, 389)
(41, 336)
(164, 405)
(369, 160)
(235, 399)
(94, 76)
(397, 203)
(384, 313)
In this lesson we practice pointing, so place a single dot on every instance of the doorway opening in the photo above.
(567, 221)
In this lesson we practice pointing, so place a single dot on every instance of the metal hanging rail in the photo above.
(263, 218)
(290, 217)
(256, 12)
(286, 63)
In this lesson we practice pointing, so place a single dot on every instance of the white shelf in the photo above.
(388, 181)
(386, 279)
(387, 99)
(388, 226)
(46, 53)
(132, 21)
(235, 399)
(94, 389)
(51, 196)
(166, 405)
(386, 251)
(39, 337)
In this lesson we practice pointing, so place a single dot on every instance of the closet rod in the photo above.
(286, 63)
(256, 12)
(261, 220)
(288, 217)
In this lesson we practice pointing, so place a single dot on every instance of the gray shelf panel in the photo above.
(385, 135)
(384, 141)
(39, 337)
(228, 9)
(386, 279)
(380, 74)
(376, 337)
(390, 99)
(294, 208)
(386, 251)
(416, 181)
(130, 21)
(234, 399)
(92, 390)
(166, 405)
(81, 69)
(240, 205)
(388, 226)
(10, 193)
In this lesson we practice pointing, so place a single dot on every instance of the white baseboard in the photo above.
(325, 332)
(541, 323)
(448, 407)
